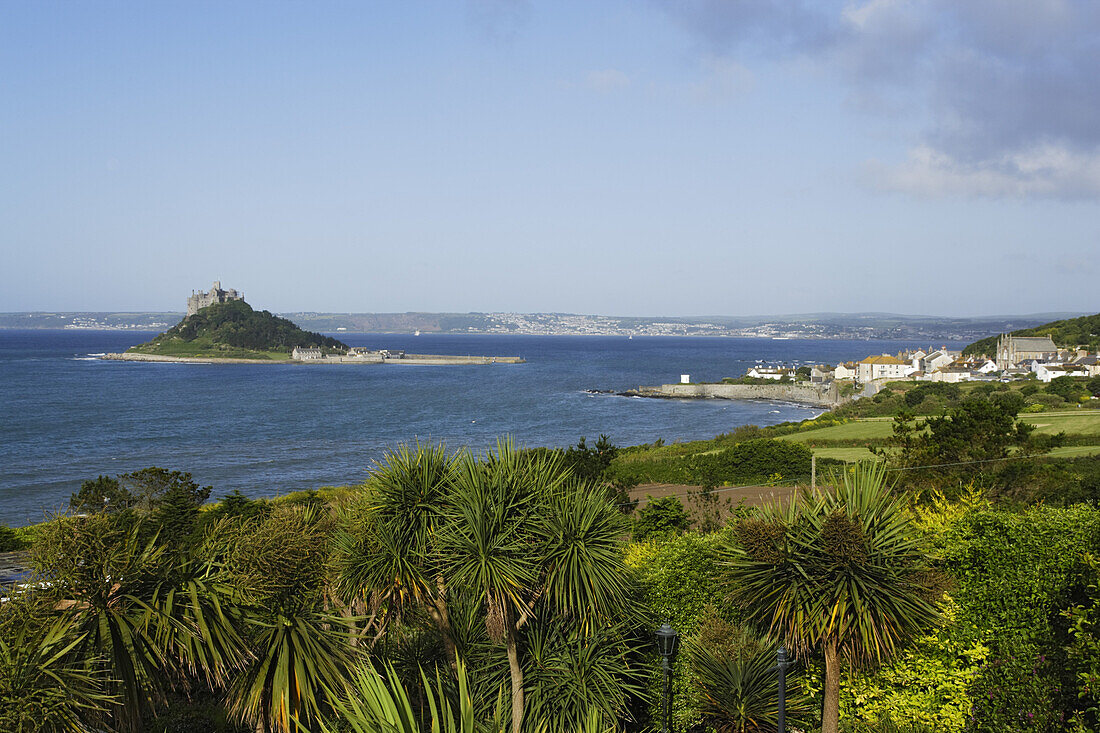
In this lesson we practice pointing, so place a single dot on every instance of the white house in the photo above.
(882, 367)
(301, 354)
(951, 374)
(1047, 372)
(847, 370)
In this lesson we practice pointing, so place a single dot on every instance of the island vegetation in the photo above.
(233, 330)
(940, 576)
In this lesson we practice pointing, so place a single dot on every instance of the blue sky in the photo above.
(633, 158)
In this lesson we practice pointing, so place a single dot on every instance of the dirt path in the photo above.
(750, 495)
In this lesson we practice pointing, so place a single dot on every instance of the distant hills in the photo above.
(1068, 333)
(932, 329)
(234, 330)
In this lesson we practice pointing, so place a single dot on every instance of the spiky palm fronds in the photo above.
(839, 571)
(44, 689)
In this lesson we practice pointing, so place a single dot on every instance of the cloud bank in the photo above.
(1007, 91)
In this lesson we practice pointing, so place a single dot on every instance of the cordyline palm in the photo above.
(842, 573)
(738, 684)
(109, 576)
(43, 688)
(298, 651)
(384, 557)
(517, 534)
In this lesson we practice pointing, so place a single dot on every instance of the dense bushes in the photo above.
(750, 461)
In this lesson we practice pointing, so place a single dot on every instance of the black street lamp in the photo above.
(781, 718)
(666, 647)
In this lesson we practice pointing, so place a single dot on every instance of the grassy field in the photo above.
(1083, 422)
(876, 430)
(1078, 422)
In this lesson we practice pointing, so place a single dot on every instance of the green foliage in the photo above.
(737, 681)
(42, 687)
(926, 686)
(238, 506)
(1070, 389)
(235, 325)
(9, 539)
(509, 539)
(679, 578)
(919, 394)
(1068, 333)
(745, 461)
(841, 573)
(101, 494)
(660, 518)
(109, 573)
(1016, 572)
(588, 463)
(1093, 386)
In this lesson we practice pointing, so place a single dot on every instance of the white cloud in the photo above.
(1042, 171)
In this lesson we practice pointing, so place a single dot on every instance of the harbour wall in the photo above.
(818, 395)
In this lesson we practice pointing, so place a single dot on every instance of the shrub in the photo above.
(9, 540)
(660, 518)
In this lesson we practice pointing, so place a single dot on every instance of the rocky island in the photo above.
(222, 328)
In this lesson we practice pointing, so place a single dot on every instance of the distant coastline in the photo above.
(932, 330)
(407, 360)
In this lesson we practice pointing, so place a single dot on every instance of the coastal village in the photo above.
(1016, 357)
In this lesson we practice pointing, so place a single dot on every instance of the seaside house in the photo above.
(301, 354)
(883, 366)
(1047, 372)
(845, 370)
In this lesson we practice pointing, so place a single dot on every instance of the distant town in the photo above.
(1016, 357)
(807, 326)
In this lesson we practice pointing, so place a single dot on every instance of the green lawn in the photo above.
(845, 454)
(1077, 422)
(858, 430)
(1084, 422)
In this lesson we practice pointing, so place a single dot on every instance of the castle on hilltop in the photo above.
(200, 299)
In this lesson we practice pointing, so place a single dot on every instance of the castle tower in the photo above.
(199, 300)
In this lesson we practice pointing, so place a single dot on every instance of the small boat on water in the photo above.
(416, 333)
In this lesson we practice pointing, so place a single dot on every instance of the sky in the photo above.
(642, 157)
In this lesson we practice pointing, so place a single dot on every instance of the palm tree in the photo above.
(43, 688)
(298, 650)
(508, 533)
(520, 533)
(842, 573)
(384, 555)
(738, 682)
(108, 575)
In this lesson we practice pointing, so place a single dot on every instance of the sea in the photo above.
(67, 416)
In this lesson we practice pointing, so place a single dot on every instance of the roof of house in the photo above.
(1032, 343)
(883, 359)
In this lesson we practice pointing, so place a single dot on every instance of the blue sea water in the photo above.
(66, 416)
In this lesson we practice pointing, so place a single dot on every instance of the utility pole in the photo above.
(813, 472)
(781, 717)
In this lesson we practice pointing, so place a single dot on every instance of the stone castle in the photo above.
(200, 299)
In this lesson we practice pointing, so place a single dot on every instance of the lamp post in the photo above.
(666, 647)
(781, 717)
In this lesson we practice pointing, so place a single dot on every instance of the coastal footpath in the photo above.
(817, 395)
(408, 359)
